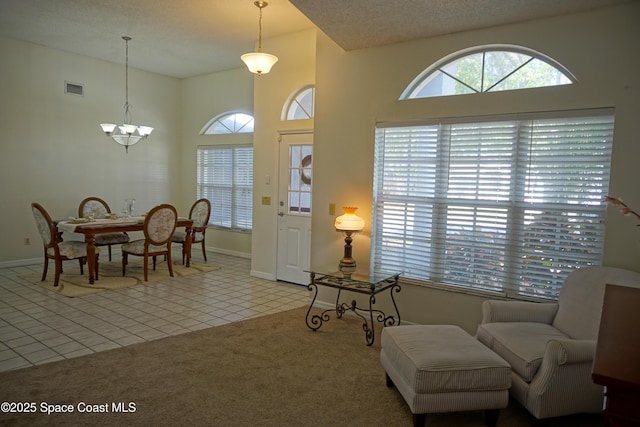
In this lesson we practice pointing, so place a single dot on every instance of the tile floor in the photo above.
(37, 326)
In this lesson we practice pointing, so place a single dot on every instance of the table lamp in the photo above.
(348, 224)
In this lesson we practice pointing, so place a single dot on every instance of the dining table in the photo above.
(92, 227)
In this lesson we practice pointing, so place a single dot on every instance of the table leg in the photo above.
(370, 333)
(340, 308)
(90, 240)
(380, 316)
(315, 321)
(395, 288)
(187, 245)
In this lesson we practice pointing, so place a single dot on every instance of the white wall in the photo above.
(54, 152)
(203, 98)
(356, 89)
(295, 68)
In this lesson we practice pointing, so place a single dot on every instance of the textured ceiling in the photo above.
(360, 24)
(184, 38)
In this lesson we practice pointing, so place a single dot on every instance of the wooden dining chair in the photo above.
(159, 226)
(99, 209)
(199, 213)
(57, 249)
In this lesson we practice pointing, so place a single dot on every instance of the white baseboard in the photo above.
(227, 252)
(262, 275)
(20, 262)
(115, 253)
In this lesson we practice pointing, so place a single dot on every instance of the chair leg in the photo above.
(58, 271)
(419, 420)
(491, 417)
(46, 266)
(389, 380)
(170, 263)
(97, 266)
(124, 262)
(146, 268)
(204, 251)
(154, 263)
(82, 261)
(109, 246)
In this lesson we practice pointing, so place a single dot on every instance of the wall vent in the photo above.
(73, 88)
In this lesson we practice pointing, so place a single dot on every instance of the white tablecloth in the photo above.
(70, 225)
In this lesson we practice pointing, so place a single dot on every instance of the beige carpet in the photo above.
(73, 284)
(268, 371)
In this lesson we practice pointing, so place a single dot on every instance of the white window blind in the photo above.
(509, 206)
(225, 177)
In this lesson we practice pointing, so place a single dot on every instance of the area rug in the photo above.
(267, 371)
(73, 285)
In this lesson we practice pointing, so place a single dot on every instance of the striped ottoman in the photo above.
(441, 368)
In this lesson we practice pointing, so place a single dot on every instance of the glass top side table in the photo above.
(362, 283)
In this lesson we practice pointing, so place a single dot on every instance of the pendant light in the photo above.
(259, 62)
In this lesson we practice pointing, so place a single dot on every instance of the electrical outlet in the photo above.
(332, 208)
(27, 241)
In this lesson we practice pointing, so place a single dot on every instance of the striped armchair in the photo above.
(551, 346)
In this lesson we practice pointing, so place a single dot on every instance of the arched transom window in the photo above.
(488, 69)
(229, 123)
(300, 103)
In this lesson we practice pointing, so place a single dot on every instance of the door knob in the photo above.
(280, 213)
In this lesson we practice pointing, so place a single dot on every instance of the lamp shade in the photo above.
(259, 62)
(145, 130)
(349, 221)
(108, 128)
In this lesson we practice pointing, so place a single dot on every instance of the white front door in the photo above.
(294, 207)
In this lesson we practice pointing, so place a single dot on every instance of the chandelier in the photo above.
(126, 134)
(259, 62)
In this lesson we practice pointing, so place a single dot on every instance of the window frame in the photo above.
(424, 78)
(209, 127)
(293, 103)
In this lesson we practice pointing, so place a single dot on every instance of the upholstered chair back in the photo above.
(200, 212)
(93, 205)
(43, 222)
(581, 298)
(160, 224)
